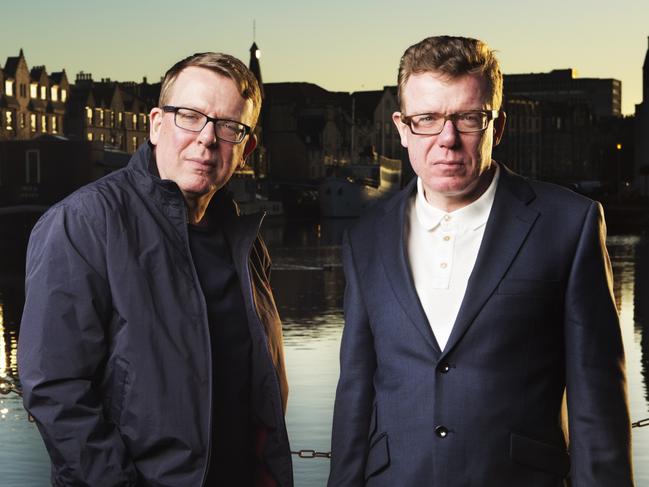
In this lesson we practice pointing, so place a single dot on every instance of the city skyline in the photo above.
(338, 46)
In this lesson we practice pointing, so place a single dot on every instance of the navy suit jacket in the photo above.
(538, 318)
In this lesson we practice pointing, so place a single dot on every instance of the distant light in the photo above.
(618, 146)
(258, 54)
(4, 411)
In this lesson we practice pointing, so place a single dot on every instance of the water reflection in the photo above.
(309, 283)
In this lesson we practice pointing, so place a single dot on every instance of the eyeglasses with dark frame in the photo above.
(194, 121)
(468, 122)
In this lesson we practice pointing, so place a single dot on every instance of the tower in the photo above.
(641, 172)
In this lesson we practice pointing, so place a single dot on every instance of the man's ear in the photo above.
(155, 122)
(499, 127)
(401, 127)
(251, 143)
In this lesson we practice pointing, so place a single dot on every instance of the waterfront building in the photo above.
(306, 129)
(602, 96)
(108, 112)
(641, 163)
(32, 103)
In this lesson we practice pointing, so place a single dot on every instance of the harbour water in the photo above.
(309, 282)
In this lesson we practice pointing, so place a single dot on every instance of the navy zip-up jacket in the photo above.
(114, 350)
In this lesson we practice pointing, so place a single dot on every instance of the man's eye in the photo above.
(470, 117)
(189, 116)
(426, 118)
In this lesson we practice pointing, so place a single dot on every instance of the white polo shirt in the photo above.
(442, 250)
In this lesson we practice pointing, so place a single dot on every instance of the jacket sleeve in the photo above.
(595, 377)
(63, 350)
(355, 392)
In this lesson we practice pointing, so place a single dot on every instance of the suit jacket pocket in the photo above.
(536, 454)
(529, 287)
(378, 458)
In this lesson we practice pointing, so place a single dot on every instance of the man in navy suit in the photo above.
(475, 299)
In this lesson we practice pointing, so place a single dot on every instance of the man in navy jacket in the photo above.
(150, 348)
(475, 298)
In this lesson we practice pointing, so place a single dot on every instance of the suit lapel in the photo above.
(509, 223)
(391, 238)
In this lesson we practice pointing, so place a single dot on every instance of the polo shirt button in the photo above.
(441, 431)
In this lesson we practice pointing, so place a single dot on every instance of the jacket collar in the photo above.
(509, 223)
(167, 196)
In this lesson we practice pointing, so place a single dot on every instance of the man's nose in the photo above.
(208, 136)
(449, 136)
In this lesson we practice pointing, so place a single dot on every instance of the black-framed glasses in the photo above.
(464, 122)
(194, 121)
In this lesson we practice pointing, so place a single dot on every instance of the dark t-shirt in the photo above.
(231, 461)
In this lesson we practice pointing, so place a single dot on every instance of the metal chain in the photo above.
(8, 385)
(312, 454)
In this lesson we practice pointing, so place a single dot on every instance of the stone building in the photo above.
(108, 112)
(641, 162)
(32, 103)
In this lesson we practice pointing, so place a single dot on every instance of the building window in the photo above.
(101, 137)
(55, 125)
(134, 143)
(43, 92)
(33, 90)
(9, 88)
(142, 121)
(54, 93)
(64, 95)
(88, 116)
(23, 120)
(112, 118)
(101, 118)
(32, 166)
(43, 123)
(9, 120)
(134, 121)
(89, 136)
(120, 120)
(32, 122)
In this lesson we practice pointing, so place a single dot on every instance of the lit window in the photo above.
(23, 120)
(88, 116)
(43, 92)
(143, 121)
(101, 118)
(32, 166)
(101, 137)
(120, 119)
(134, 142)
(33, 90)
(64, 95)
(55, 127)
(134, 120)
(89, 136)
(54, 91)
(32, 122)
(43, 123)
(112, 118)
(9, 120)
(9, 88)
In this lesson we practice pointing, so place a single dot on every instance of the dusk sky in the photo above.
(340, 45)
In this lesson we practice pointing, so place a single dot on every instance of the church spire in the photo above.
(645, 76)
(254, 66)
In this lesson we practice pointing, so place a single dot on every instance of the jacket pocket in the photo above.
(529, 287)
(539, 455)
(378, 457)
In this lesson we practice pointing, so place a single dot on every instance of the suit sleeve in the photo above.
(355, 392)
(63, 349)
(595, 375)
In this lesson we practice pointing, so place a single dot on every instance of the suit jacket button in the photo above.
(444, 367)
(441, 431)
